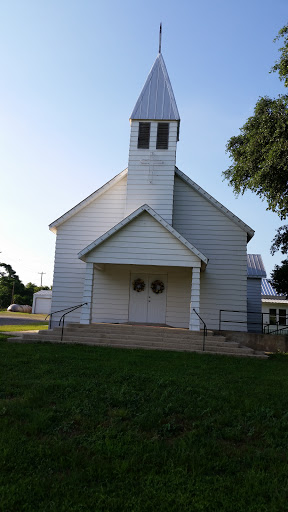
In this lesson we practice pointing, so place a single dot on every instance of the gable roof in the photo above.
(250, 232)
(255, 266)
(157, 100)
(53, 226)
(130, 218)
(267, 290)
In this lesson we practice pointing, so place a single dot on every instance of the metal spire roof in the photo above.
(156, 100)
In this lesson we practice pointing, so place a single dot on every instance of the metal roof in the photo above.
(268, 290)
(255, 266)
(157, 100)
(44, 293)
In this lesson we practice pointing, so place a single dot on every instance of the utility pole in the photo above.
(41, 273)
(12, 296)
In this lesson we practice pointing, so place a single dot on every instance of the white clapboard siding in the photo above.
(76, 233)
(178, 297)
(224, 282)
(143, 241)
(151, 172)
(111, 289)
(111, 294)
(254, 304)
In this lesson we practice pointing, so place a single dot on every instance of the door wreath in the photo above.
(138, 285)
(157, 286)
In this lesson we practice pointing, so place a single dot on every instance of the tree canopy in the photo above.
(13, 290)
(260, 159)
(260, 155)
(279, 277)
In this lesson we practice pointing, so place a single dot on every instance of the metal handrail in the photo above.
(241, 321)
(204, 329)
(267, 328)
(71, 308)
(54, 313)
(63, 316)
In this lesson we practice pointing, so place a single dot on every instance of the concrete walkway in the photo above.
(19, 333)
(7, 318)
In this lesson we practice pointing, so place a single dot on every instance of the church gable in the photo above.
(198, 200)
(111, 195)
(143, 240)
(205, 225)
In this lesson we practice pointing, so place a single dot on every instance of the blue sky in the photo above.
(71, 72)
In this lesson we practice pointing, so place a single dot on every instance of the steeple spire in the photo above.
(157, 100)
(160, 37)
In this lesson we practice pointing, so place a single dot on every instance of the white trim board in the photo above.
(145, 208)
(250, 232)
(54, 225)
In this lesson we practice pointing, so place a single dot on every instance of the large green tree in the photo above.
(260, 159)
(12, 290)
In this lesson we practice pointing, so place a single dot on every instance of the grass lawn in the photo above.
(26, 327)
(86, 429)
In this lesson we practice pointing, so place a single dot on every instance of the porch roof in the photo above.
(143, 237)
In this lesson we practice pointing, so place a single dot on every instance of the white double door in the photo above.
(147, 306)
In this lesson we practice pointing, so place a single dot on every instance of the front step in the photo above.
(144, 337)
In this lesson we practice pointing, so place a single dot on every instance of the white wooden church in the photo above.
(151, 246)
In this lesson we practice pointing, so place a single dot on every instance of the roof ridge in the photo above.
(132, 216)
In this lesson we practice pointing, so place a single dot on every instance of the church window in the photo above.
(162, 136)
(282, 316)
(143, 136)
(272, 317)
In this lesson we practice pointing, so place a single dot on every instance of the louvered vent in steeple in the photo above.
(162, 136)
(143, 136)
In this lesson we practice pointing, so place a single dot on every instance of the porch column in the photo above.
(194, 323)
(85, 317)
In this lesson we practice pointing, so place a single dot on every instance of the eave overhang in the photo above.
(145, 208)
(54, 225)
(250, 232)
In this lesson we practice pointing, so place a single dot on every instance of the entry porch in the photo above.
(145, 294)
(142, 270)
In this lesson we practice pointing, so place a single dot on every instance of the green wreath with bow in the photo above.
(138, 285)
(157, 286)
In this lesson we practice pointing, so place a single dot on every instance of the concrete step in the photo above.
(230, 351)
(138, 336)
(129, 328)
(71, 334)
(142, 342)
(163, 334)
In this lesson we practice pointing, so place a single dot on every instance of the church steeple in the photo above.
(157, 100)
(154, 134)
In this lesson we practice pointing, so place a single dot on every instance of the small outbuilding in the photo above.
(42, 302)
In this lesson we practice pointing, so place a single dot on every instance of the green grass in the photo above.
(99, 429)
(25, 327)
